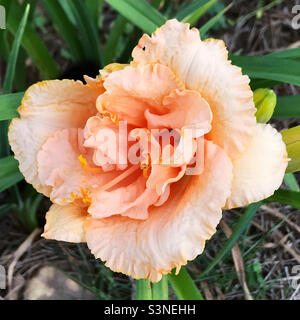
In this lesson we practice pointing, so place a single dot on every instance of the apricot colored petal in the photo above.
(108, 142)
(129, 92)
(185, 108)
(132, 200)
(161, 176)
(260, 169)
(60, 169)
(174, 232)
(65, 223)
(47, 107)
(203, 66)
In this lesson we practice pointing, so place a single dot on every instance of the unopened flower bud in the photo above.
(291, 138)
(265, 102)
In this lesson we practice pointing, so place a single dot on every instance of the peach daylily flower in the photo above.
(145, 219)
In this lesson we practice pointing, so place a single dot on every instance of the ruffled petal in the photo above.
(65, 223)
(129, 92)
(47, 107)
(185, 109)
(60, 169)
(203, 66)
(174, 232)
(132, 200)
(260, 169)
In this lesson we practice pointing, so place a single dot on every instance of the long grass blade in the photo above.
(291, 198)
(110, 49)
(199, 9)
(140, 13)
(88, 32)
(264, 67)
(12, 60)
(184, 286)
(31, 42)
(94, 7)
(287, 107)
(9, 104)
(291, 182)
(211, 22)
(236, 233)
(9, 172)
(65, 28)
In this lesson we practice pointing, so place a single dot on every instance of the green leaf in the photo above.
(4, 46)
(160, 289)
(20, 78)
(12, 60)
(65, 28)
(196, 10)
(68, 11)
(9, 172)
(157, 3)
(190, 9)
(31, 42)
(88, 32)
(143, 290)
(110, 49)
(287, 107)
(291, 181)
(291, 198)
(184, 286)
(264, 67)
(94, 7)
(286, 54)
(210, 23)
(9, 104)
(140, 13)
(26, 211)
(242, 224)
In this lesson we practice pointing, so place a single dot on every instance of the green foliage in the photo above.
(287, 107)
(31, 42)
(242, 224)
(9, 173)
(66, 29)
(87, 30)
(77, 21)
(12, 60)
(140, 13)
(9, 104)
(110, 48)
(291, 198)
(195, 10)
(184, 286)
(286, 70)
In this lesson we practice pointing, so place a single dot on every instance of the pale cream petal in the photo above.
(174, 232)
(203, 66)
(47, 107)
(260, 169)
(65, 223)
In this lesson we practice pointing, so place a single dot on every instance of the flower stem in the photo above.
(143, 290)
(184, 286)
(160, 290)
